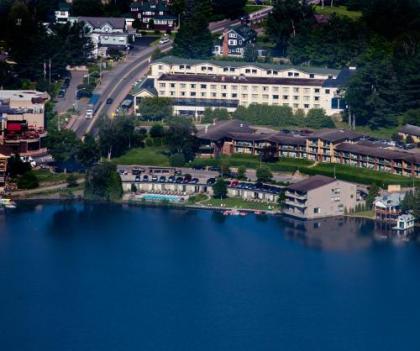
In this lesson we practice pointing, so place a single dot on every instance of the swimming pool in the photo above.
(160, 197)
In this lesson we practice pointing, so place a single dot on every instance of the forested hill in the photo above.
(383, 43)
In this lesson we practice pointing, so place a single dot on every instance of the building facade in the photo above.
(410, 131)
(344, 147)
(22, 123)
(318, 197)
(153, 15)
(234, 40)
(3, 170)
(195, 84)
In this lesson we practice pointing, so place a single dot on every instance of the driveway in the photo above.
(66, 103)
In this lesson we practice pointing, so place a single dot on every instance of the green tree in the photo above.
(412, 117)
(193, 39)
(177, 160)
(157, 131)
(88, 153)
(62, 144)
(317, 118)
(250, 53)
(155, 108)
(87, 8)
(416, 211)
(103, 183)
(228, 8)
(217, 114)
(241, 172)
(372, 194)
(16, 167)
(180, 139)
(28, 181)
(220, 189)
(71, 181)
(264, 174)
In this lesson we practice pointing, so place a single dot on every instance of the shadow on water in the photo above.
(340, 233)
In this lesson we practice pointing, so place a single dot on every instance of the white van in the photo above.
(89, 114)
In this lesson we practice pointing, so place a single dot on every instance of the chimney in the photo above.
(225, 45)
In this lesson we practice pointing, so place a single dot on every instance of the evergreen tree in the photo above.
(194, 38)
(228, 8)
(220, 189)
(250, 53)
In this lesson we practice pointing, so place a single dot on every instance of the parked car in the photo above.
(164, 40)
(109, 101)
(234, 183)
(137, 178)
(187, 177)
(214, 168)
(162, 179)
(171, 179)
(211, 181)
(146, 178)
(61, 93)
(194, 181)
(154, 178)
(198, 167)
(179, 180)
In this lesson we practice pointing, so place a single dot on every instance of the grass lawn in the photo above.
(364, 214)
(382, 133)
(153, 156)
(338, 10)
(253, 8)
(45, 176)
(234, 202)
(197, 198)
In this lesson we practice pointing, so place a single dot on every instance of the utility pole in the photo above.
(49, 65)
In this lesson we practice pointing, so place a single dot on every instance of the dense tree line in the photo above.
(31, 46)
(384, 44)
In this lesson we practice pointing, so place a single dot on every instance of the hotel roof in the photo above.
(335, 135)
(311, 183)
(410, 129)
(173, 60)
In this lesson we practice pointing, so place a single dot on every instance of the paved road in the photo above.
(66, 103)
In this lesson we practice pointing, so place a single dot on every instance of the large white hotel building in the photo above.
(197, 84)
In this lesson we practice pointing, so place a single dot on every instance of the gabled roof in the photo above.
(173, 60)
(99, 22)
(222, 129)
(410, 129)
(146, 85)
(246, 32)
(335, 135)
(311, 183)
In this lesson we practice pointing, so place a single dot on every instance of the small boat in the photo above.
(7, 203)
(233, 213)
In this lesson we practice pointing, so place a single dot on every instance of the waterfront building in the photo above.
(22, 123)
(338, 146)
(194, 85)
(388, 207)
(3, 170)
(405, 221)
(320, 196)
(412, 131)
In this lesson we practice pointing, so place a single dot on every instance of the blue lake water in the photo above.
(106, 277)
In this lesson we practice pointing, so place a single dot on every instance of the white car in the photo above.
(164, 40)
(89, 114)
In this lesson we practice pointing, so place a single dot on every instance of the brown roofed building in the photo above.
(410, 130)
(320, 196)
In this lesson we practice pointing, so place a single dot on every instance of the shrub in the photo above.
(177, 160)
(28, 181)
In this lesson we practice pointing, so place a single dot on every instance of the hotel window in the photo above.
(210, 69)
(172, 85)
(285, 97)
(296, 105)
(162, 85)
(203, 68)
(162, 92)
(316, 90)
(265, 96)
(255, 96)
(244, 88)
(254, 71)
(188, 67)
(311, 75)
(244, 96)
(327, 91)
(203, 86)
(182, 93)
(306, 105)
(226, 69)
(269, 72)
(265, 88)
(247, 71)
(290, 74)
(213, 87)
(193, 86)
(285, 90)
(306, 98)
(183, 85)
(254, 88)
(224, 95)
(275, 73)
(160, 67)
(317, 106)
(181, 66)
(234, 87)
(295, 90)
(232, 69)
(275, 97)
(295, 74)
(307, 90)
(275, 89)
(172, 93)
(316, 98)
(234, 96)
(193, 93)
(213, 94)
(224, 87)
(203, 94)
